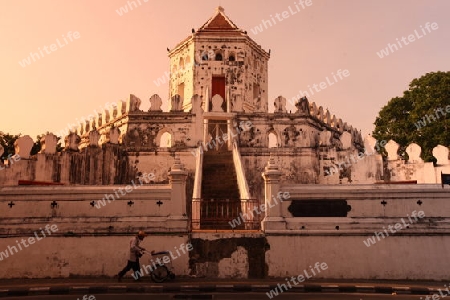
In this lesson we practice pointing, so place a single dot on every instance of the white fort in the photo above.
(276, 191)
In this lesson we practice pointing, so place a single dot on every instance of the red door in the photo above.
(218, 87)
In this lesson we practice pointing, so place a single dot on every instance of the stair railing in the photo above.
(240, 173)
(244, 191)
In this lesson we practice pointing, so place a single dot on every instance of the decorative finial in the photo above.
(220, 8)
(272, 167)
(177, 165)
(271, 161)
(271, 164)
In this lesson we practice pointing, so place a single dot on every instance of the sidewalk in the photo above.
(26, 287)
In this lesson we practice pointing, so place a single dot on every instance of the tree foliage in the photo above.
(7, 141)
(421, 115)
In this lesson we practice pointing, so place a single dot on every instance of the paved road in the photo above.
(228, 296)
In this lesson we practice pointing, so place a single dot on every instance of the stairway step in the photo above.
(219, 176)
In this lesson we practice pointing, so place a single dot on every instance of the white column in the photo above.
(177, 176)
(273, 219)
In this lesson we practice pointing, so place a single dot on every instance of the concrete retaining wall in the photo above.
(63, 256)
(347, 257)
(94, 242)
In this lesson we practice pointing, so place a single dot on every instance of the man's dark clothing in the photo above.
(131, 265)
(133, 262)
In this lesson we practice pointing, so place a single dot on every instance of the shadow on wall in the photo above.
(229, 257)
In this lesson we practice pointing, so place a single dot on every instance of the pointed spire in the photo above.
(219, 21)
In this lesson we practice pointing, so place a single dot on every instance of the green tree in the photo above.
(7, 141)
(36, 145)
(420, 116)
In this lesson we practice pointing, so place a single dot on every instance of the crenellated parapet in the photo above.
(369, 166)
(23, 146)
(302, 138)
(49, 143)
(135, 127)
(310, 126)
(414, 168)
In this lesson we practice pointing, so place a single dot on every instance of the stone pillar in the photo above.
(273, 219)
(72, 142)
(392, 148)
(197, 111)
(177, 176)
(23, 146)
(94, 137)
(46, 166)
(114, 135)
(229, 131)
(155, 103)
(228, 98)
(49, 142)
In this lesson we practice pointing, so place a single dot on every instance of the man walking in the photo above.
(135, 253)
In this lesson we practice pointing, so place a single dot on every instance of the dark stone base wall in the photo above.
(211, 252)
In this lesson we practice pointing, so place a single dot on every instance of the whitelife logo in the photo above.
(436, 296)
(124, 9)
(165, 260)
(341, 74)
(432, 118)
(199, 58)
(391, 48)
(353, 159)
(86, 297)
(31, 240)
(73, 126)
(244, 126)
(11, 159)
(147, 177)
(258, 209)
(398, 226)
(49, 49)
(280, 17)
(279, 288)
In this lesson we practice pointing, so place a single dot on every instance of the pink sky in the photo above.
(117, 55)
